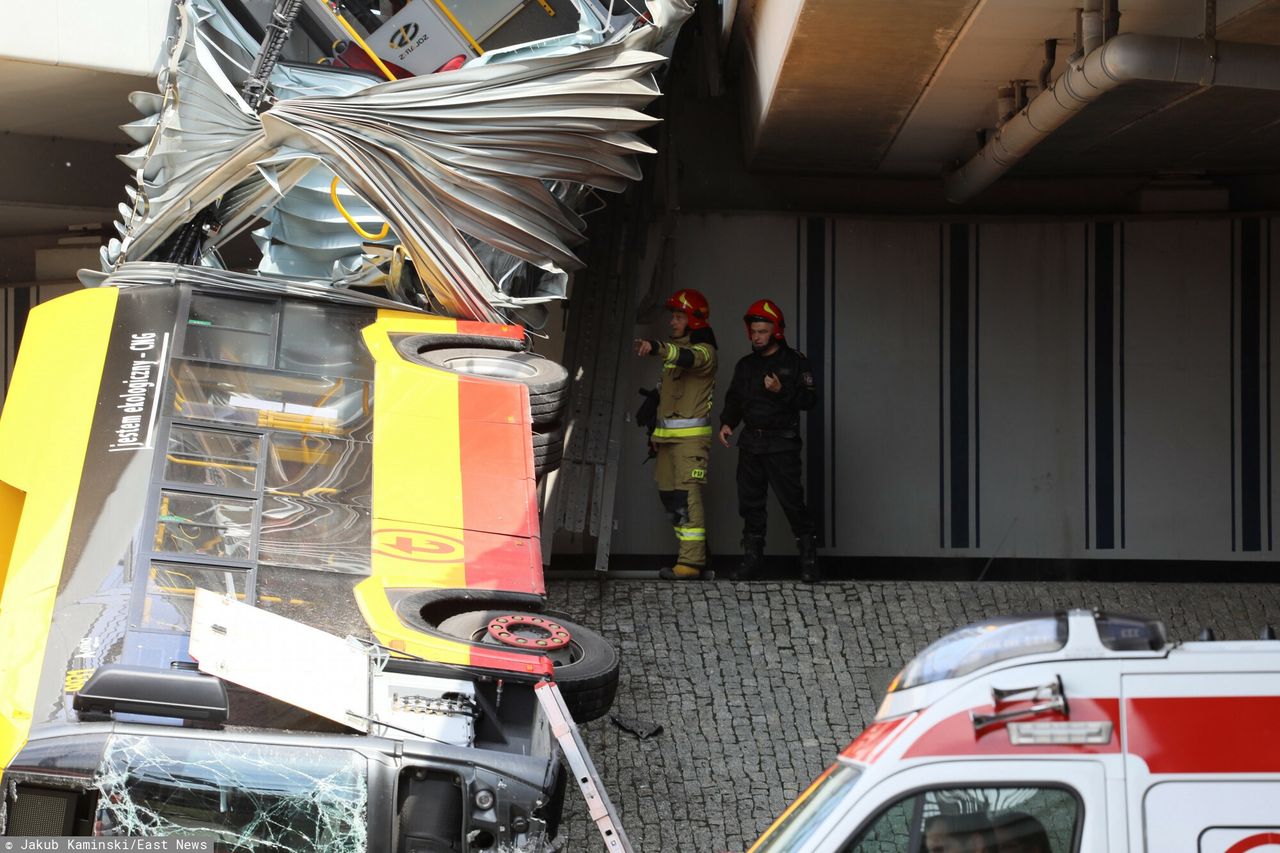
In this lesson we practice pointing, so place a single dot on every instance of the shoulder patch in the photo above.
(807, 379)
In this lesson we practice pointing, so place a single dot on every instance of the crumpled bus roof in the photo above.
(489, 154)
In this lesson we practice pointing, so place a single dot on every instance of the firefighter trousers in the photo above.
(681, 474)
(781, 470)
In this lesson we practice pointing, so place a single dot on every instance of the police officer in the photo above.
(771, 387)
(682, 433)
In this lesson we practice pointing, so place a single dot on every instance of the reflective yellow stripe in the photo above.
(44, 436)
(704, 349)
(691, 534)
(682, 432)
(670, 354)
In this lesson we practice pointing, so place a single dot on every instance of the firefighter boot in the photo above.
(808, 545)
(752, 557)
(680, 572)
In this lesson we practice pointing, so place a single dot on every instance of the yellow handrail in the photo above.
(333, 196)
(365, 47)
(458, 25)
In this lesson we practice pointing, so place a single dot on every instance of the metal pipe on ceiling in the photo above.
(1126, 58)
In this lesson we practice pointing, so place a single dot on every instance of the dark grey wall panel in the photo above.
(1032, 389)
(1178, 394)
(886, 346)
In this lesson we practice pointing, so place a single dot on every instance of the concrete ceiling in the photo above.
(903, 87)
(67, 102)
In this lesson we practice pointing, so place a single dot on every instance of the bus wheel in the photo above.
(586, 663)
(547, 381)
(548, 449)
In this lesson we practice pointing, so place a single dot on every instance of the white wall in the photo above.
(1104, 388)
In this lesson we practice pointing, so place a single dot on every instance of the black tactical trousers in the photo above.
(781, 470)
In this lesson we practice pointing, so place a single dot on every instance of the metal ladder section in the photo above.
(579, 497)
(575, 754)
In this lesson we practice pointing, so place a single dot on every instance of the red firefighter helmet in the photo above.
(766, 311)
(693, 304)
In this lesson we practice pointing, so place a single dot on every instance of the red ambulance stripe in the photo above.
(499, 496)
(1254, 841)
(1205, 734)
(875, 739)
(955, 735)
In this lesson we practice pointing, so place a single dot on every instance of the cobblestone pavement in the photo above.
(757, 685)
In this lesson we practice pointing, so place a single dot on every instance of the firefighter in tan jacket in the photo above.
(682, 435)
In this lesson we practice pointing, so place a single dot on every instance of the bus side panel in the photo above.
(44, 433)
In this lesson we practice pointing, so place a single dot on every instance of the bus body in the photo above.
(280, 446)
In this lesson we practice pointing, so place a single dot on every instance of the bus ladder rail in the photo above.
(584, 772)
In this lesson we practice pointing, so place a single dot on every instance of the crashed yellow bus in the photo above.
(270, 569)
(327, 458)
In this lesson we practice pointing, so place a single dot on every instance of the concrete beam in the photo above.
(61, 172)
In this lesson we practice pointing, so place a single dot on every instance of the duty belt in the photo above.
(682, 427)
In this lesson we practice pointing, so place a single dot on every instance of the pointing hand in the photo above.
(771, 383)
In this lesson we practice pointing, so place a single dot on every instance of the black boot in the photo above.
(808, 545)
(752, 557)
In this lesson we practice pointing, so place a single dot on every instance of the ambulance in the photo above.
(1075, 732)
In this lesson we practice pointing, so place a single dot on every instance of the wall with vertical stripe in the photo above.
(15, 304)
(1051, 389)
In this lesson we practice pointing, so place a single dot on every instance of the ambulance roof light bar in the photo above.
(1076, 633)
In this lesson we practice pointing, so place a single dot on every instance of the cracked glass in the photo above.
(204, 524)
(246, 796)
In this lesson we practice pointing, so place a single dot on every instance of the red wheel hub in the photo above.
(526, 631)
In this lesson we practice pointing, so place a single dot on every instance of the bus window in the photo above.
(312, 535)
(319, 468)
(236, 330)
(171, 589)
(204, 524)
(202, 457)
(323, 340)
(230, 395)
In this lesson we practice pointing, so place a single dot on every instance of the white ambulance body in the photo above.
(1067, 733)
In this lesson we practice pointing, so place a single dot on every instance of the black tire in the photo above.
(586, 670)
(548, 450)
(545, 379)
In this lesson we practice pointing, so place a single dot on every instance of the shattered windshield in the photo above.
(246, 796)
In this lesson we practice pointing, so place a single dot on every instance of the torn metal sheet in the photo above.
(442, 158)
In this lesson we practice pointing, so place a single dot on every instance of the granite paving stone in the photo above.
(758, 685)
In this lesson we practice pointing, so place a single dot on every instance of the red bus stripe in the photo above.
(499, 495)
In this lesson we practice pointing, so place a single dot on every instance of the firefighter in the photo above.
(771, 386)
(682, 432)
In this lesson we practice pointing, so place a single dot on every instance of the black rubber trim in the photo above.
(424, 609)
(411, 345)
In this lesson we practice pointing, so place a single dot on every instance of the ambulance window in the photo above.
(975, 820)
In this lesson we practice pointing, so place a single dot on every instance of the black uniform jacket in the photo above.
(771, 420)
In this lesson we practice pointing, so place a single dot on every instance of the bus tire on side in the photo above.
(586, 669)
(546, 380)
(548, 449)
